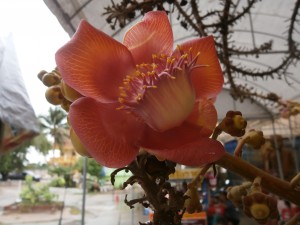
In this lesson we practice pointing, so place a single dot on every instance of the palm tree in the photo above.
(55, 124)
(42, 144)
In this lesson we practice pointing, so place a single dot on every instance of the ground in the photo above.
(106, 207)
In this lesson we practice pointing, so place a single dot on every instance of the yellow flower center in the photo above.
(259, 211)
(161, 93)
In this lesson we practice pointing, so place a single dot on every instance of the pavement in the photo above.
(107, 208)
(101, 208)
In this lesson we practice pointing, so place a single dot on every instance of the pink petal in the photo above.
(208, 80)
(94, 64)
(198, 153)
(204, 115)
(108, 134)
(170, 139)
(153, 35)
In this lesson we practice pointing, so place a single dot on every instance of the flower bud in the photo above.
(235, 193)
(41, 74)
(78, 146)
(233, 124)
(50, 79)
(65, 105)
(254, 138)
(295, 110)
(54, 96)
(68, 92)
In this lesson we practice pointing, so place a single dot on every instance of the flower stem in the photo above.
(271, 183)
(200, 175)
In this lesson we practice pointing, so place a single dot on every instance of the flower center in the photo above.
(161, 93)
(260, 211)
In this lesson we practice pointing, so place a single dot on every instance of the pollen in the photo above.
(147, 76)
(123, 94)
(121, 100)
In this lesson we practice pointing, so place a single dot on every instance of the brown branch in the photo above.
(225, 57)
(198, 18)
(234, 19)
(188, 19)
(273, 184)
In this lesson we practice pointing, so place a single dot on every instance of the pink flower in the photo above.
(142, 94)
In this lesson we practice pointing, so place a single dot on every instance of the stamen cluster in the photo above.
(146, 75)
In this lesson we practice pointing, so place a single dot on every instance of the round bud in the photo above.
(79, 148)
(68, 92)
(54, 96)
(66, 105)
(50, 79)
(41, 74)
(254, 138)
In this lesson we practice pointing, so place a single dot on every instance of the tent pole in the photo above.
(293, 143)
(277, 151)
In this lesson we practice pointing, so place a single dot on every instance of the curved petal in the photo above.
(94, 64)
(153, 35)
(207, 80)
(170, 139)
(204, 115)
(108, 134)
(198, 153)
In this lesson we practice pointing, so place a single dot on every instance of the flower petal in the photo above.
(153, 35)
(170, 139)
(198, 153)
(204, 115)
(109, 135)
(94, 64)
(207, 80)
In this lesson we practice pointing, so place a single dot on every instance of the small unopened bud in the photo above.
(41, 74)
(50, 79)
(233, 124)
(53, 95)
(78, 146)
(68, 92)
(295, 110)
(235, 193)
(254, 138)
(65, 105)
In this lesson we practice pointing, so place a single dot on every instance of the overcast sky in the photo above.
(37, 35)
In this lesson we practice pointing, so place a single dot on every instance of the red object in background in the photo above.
(287, 213)
(212, 179)
(214, 209)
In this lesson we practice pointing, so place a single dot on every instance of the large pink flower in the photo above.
(142, 94)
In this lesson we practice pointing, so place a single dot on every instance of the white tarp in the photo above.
(268, 21)
(15, 108)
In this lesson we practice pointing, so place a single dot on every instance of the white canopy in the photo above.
(267, 23)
